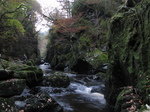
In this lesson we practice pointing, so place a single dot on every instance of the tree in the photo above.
(17, 19)
(69, 26)
(66, 7)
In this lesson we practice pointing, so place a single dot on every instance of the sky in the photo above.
(50, 4)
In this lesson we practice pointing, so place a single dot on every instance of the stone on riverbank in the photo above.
(32, 74)
(12, 87)
(40, 102)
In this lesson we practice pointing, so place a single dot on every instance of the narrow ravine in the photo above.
(84, 94)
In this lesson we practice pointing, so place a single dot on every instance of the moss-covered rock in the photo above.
(12, 87)
(97, 59)
(29, 76)
(33, 75)
(57, 79)
(129, 51)
(17, 69)
(3, 64)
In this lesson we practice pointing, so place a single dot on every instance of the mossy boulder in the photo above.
(129, 51)
(33, 75)
(30, 62)
(97, 59)
(17, 69)
(12, 87)
(57, 79)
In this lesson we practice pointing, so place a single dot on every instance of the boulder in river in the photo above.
(57, 79)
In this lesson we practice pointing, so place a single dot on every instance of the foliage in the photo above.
(14, 29)
(69, 26)
(74, 37)
(17, 30)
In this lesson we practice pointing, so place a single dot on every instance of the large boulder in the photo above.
(32, 74)
(19, 70)
(57, 79)
(12, 87)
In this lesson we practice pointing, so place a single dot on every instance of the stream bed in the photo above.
(84, 94)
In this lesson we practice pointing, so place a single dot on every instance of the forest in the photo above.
(94, 57)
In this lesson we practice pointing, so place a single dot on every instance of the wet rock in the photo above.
(39, 102)
(99, 76)
(98, 89)
(42, 102)
(20, 104)
(12, 87)
(57, 79)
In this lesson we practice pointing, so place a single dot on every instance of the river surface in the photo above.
(81, 95)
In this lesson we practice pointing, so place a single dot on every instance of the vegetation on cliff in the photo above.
(81, 36)
(128, 50)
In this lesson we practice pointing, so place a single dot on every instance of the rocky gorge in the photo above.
(106, 52)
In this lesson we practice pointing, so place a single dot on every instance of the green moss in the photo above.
(30, 62)
(97, 58)
(143, 108)
(128, 49)
(4, 63)
(58, 79)
(84, 42)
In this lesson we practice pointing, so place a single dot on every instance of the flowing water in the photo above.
(80, 96)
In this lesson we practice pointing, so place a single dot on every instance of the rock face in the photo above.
(129, 52)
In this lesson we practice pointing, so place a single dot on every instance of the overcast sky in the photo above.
(50, 4)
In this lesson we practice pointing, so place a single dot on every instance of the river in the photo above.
(84, 94)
